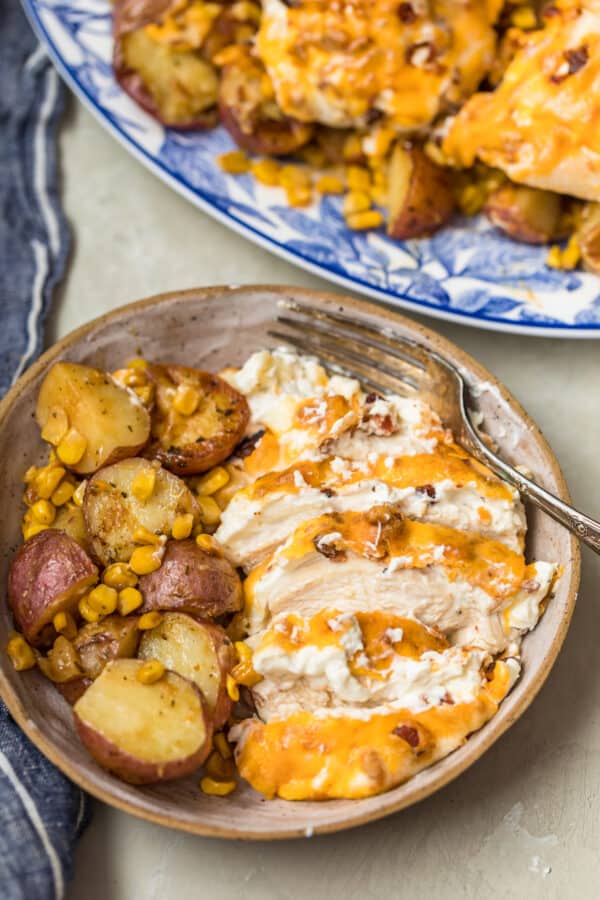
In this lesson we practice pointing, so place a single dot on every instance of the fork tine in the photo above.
(337, 361)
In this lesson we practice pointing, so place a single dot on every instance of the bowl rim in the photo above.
(469, 752)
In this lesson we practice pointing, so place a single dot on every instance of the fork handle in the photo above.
(582, 526)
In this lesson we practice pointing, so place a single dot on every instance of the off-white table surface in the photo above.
(525, 820)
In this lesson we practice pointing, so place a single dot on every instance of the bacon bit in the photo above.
(426, 489)
(408, 734)
(421, 55)
(407, 14)
(329, 549)
(447, 698)
(328, 492)
(371, 398)
(575, 59)
(247, 444)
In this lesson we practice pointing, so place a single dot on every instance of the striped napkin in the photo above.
(41, 812)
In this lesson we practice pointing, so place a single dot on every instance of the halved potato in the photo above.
(113, 512)
(193, 581)
(69, 518)
(200, 651)
(144, 733)
(48, 574)
(111, 420)
(420, 194)
(588, 234)
(188, 444)
(524, 213)
(98, 643)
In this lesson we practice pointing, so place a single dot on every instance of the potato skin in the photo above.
(526, 214)
(49, 573)
(188, 445)
(97, 643)
(589, 237)
(193, 581)
(73, 690)
(420, 194)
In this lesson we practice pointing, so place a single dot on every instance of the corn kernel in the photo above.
(87, 612)
(471, 199)
(129, 599)
(435, 153)
(210, 511)
(145, 560)
(219, 768)
(222, 745)
(64, 623)
(72, 447)
(79, 492)
(56, 427)
(213, 480)
(379, 195)
(234, 163)
(21, 655)
(63, 493)
(149, 620)
(245, 673)
(145, 393)
(137, 363)
(182, 527)
(329, 184)
(358, 178)
(186, 399)
(298, 196)
(47, 481)
(356, 202)
(30, 531)
(43, 512)
(232, 689)
(266, 87)
(142, 486)
(119, 576)
(217, 788)
(207, 543)
(524, 17)
(363, 220)
(294, 176)
(378, 142)
(243, 33)
(243, 651)
(244, 11)
(266, 171)
(30, 474)
(313, 156)
(143, 535)
(571, 254)
(150, 672)
(103, 599)
(352, 147)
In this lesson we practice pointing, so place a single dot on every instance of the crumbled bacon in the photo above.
(408, 734)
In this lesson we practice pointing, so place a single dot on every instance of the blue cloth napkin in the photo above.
(41, 812)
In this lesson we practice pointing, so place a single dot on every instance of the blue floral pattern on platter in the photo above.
(468, 272)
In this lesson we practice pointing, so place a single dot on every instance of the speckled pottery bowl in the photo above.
(212, 328)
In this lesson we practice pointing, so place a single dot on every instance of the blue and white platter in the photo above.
(468, 273)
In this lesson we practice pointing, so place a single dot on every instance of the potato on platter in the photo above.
(98, 643)
(198, 419)
(200, 651)
(589, 237)
(250, 114)
(525, 214)
(143, 732)
(48, 574)
(90, 419)
(130, 495)
(73, 690)
(420, 194)
(69, 518)
(192, 580)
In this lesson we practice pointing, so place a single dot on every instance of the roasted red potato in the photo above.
(62, 663)
(49, 574)
(89, 418)
(200, 651)
(525, 214)
(250, 113)
(588, 234)
(144, 733)
(420, 194)
(192, 442)
(98, 643)
(114, 507)
(193, 581)
(69, 518)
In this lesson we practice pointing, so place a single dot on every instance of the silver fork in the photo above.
(386, 361)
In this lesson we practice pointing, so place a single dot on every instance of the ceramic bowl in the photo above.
(212, 328)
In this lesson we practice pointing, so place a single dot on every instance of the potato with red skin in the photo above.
(588, 235)
(526, 214)
(48, 574)
(143, 733)
(98, 643)
(190, 444)
(197, 650)
(193, 581)
(420, 194)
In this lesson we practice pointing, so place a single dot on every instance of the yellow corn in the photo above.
(43, 512)
(380, 195)
(435, 153)
(142, 486)
(314, 156)
(266, 171)
(524, 17)
(182, 527)
(145, 560)
(79, 492)
(30, 474)
(145, 393)
(243, 651)
(213, 480)
(56, 427)
(244, 11)
(63, 493)
(30, 530)
(217, 788)
(471, 199)
(72, 447)
(129, 599)
(103, 599)
(222, 745)
(356, 202)
(294, 176)
(210, 511)
(219, 768)
(363, 220)
(234, 163)
(352, 147)
(232, 689)
(245, 673)
(298, 195)
(87, 612)
(207, 543)
(47, 481)
(151, 671)
(358, 178)
(266, 87)
(377, 144)
(64, 624)
(149, 620)
(143, 535)
(329, 184)
(119, 576)
(243, 33)
(567, 258)
(186, 399)
(21, 655)
(137, 363)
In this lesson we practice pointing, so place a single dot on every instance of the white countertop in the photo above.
(522, 822)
